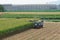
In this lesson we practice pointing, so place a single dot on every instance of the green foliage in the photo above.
(1, 8)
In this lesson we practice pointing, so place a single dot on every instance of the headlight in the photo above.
(35, 24)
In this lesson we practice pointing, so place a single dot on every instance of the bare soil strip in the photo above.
(51, 31)
(31, 12)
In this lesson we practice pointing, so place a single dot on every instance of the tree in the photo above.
(1, 8)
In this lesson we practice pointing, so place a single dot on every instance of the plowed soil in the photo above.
(51, 31)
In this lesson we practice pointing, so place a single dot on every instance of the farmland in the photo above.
(14, 21)
(31, 14)
(44, 15)
(5, 22)
(10, 25)
(49, 32)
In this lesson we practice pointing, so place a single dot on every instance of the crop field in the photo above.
(30, 15)
(9, 25)
(45, 15)
(31, 12)
(14, 21)
(49, 32)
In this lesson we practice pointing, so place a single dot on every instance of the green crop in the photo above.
(30, 16)
(11, 25)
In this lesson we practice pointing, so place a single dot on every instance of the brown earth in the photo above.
(51, 31)
(1, 13)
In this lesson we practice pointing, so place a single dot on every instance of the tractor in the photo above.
(38, 24)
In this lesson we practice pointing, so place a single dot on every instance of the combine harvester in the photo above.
(37, 23)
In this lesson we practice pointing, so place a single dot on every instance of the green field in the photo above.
(10, 25)
(6, 23)
(44, 15)
(12, 22)
(30, 15)
(32, 10)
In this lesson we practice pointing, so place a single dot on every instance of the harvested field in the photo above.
(31, 12)
(31, 15)
(51, 31)
(1, 13)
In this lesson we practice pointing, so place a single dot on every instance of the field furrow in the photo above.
(49, 32)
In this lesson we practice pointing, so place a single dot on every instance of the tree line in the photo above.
(1, 8)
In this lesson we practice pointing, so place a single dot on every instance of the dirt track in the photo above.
(51, 31)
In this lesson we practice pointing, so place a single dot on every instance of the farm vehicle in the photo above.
(37, 23)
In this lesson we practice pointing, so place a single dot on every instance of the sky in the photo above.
(21, 2)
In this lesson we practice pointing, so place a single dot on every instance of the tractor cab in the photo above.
(38, 24)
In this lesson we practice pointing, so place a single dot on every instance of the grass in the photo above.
(6, 23)
(30, 15)
(10, 25)
(39, 15)
(33, 10)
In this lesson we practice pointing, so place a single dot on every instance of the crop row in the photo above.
(29, 16)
